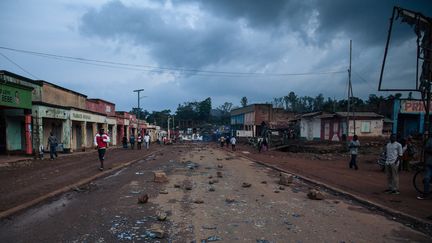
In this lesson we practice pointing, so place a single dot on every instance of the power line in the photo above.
(148, 68)
(16, 64)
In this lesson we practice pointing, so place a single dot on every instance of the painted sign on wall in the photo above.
(12, 95)
(413, 106)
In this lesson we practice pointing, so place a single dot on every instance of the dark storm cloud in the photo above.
(170, 44)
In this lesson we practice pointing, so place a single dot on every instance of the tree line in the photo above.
(196, 113)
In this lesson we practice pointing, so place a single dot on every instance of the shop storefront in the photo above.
(15, 118)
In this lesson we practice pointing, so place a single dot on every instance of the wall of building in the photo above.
(100, 106)
(58, 96)
(367, 127)
(310, 128)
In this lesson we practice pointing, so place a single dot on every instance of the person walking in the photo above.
(222, 141)
(233, 143)
(228, 141)
(52, 144)
(132, 141)
(139, 141)
(393, 157)
(428, 169)
(353, 146)
(101, 141)
(147, 140)
(125, 142)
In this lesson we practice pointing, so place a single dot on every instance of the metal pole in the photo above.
(169, 118)
(350, 86)
(139, 111)
(349, 93)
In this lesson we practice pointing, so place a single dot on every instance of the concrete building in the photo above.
(249, 120)
(310, 126)
(15, 114)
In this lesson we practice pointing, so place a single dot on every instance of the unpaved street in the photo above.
(201, 207)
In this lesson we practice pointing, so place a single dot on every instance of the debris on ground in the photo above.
(161, 216)
(211, 238)
(220, 166)
(219, 174)
(229, 199)
(263, 182)
(211, 189)
(198, 201)
(246, 185)
(155, 232)
(314, 194)
(191, 165)
(276, 191)
(176, 185)
(160, 176)
(285, 179)
(143, 198)
(281, 188)
(163, 191)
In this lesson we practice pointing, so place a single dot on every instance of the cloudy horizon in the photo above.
(187, 50)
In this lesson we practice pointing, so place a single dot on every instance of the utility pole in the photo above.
(139, 111)
(349, 93)
(169, 118)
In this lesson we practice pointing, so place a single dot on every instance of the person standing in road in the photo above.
(428, 169)
(147, 140)
(233, 143)
(125, 142)
(101, 141)
(139, 141)
(52, 144)
(353, 146)
(393, 158)
(228, 141)
(132, 141)
(222, 141)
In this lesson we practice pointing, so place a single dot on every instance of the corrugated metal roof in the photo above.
(360, 114)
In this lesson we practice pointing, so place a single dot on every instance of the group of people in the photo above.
(397, 157)
(139, 140)
(227, 140)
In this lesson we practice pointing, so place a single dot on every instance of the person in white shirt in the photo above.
(233, 142)
(393, 151)
(147, 140)
(353, 146)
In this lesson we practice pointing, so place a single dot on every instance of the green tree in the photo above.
(244, 101)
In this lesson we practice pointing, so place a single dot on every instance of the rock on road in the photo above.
(211, 195)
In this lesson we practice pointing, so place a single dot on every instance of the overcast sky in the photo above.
(188, 50)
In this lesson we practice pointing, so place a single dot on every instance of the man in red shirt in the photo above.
(101, 141)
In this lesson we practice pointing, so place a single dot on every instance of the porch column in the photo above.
(83, 135)
(94, 130)
(28, 140)
(38, 133)
(114, 135)
(66, 135)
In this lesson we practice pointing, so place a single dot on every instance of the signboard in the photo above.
(243, 133)
(82, 116)
(413, 106)
(17, 96)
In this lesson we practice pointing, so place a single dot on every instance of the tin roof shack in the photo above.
(363, 124)
(250, 119)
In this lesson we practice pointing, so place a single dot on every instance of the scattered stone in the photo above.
(276, 191)
(336, 202)
(285, 179)
(161, 216)
(198, 201)
(209, 227)
(176, 185)
(212, 189)
(212, 238)
(155, 232)
(143, 198)
(281, 188)
(215, 181)
(219, 174)
(315, 195)
(263, 182)
(219, 159)
(211, 182)
(220, 166)
(163, 191)
(188, 186)
(229, 199)
(160, 176)
(210, 177)
(246, 185)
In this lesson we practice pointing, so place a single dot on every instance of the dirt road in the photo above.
(200, 206)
